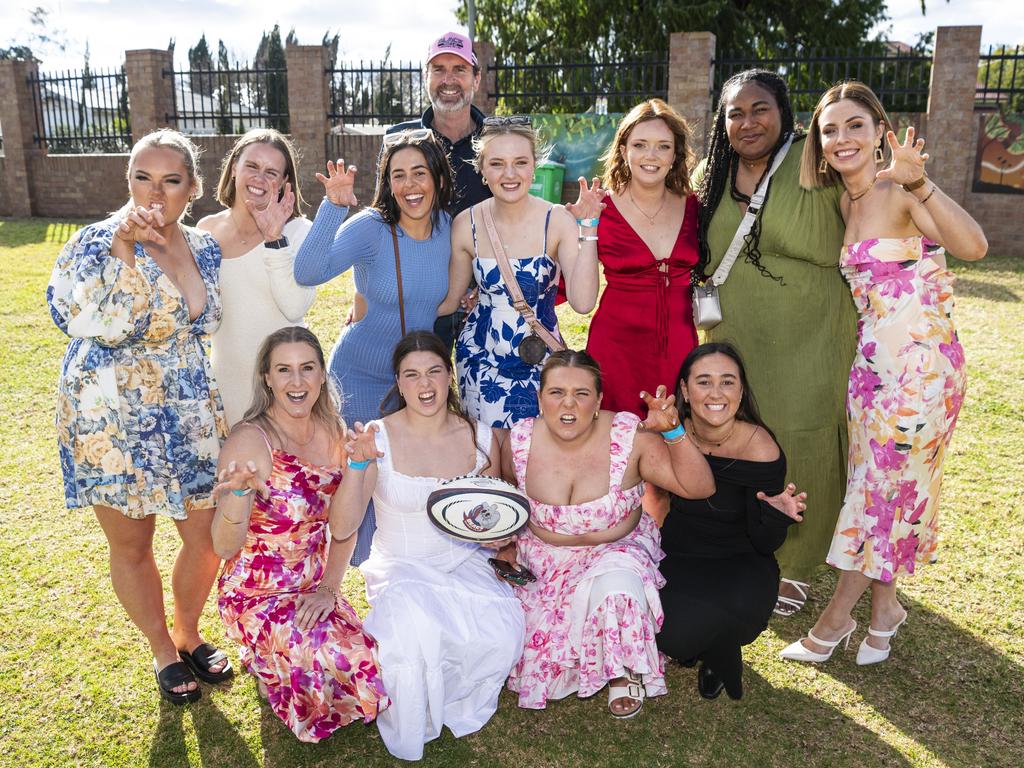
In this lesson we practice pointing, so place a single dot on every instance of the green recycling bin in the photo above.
(547, 182)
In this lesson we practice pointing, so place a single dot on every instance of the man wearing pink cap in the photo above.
(452, 78)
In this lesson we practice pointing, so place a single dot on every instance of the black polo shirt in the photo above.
(469, 185)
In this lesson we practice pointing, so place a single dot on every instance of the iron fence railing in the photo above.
(899, 78)
(578, 83)
(80, 112)
(1001, 78)
(376, 94)
(228, 101)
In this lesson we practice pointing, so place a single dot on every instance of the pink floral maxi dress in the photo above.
(319, 679)
(906, 387)
(577, 641)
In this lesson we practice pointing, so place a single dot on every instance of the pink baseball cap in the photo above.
(455, 43)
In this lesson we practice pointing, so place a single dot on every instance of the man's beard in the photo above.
(449, 106)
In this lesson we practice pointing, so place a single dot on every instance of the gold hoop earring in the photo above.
(823, 166)
(879, 156)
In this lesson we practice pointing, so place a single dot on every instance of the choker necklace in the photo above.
(854, 198)
(293, 441)
(650, 219)
(705, 442)
(752, 164)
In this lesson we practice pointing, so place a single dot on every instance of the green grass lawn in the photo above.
(76, 684)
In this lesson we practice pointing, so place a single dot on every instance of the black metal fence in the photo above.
(79, 112)
(376, 94)
(899, 78)
(578, 83)
(1001, 79)
(227, 101)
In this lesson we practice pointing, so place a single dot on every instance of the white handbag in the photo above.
(707, 308)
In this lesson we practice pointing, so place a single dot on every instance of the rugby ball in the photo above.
(478, 509)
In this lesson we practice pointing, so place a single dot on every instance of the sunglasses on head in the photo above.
(409, 135)
(499, 120)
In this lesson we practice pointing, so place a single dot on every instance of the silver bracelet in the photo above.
(588, 238)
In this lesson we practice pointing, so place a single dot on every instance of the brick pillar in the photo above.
(308, 104)
(17, 115)
(484, 99)
(150, 93)
(691, 80)
(951, 120)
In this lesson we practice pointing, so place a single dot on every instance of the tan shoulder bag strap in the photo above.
(515, 292)
(398, 273)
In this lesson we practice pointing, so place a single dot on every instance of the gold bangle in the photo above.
(916, 184)
(677, 441)
(928, 196)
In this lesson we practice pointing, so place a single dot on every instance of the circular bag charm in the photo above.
(532, 349)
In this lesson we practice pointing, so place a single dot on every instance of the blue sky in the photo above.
(366, 28)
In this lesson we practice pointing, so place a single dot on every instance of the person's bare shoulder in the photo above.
(758, 446)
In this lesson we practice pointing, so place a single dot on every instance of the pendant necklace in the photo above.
(649, 218)
(854, 198)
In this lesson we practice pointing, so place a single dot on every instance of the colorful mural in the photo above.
(999, 161)
(578, 141)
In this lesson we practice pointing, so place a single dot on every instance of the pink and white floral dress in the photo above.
(906, 387)
(577, 641)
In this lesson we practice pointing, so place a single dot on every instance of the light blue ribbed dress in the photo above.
(361, 360)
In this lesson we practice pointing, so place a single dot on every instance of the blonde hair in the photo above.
(325, 409)
(168, 138)
(616, 170)
(280, 142)
(541, 151)
(813, 156)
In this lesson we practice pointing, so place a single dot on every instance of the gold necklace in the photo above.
(650, 219)
(238, 229)
(854, 198)
(752, 164)
(704, 442)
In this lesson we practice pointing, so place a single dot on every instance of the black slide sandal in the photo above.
(170, 677)
(202, 658)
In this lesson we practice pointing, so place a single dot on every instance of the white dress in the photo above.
(260, 296)
(448, 630)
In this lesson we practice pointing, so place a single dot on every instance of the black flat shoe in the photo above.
(708, 683)
(170, 677)
(202, 658)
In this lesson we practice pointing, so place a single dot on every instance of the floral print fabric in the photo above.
(139, 419)
(906, 388)
(319, 679)
(572, 645)
(497, 387)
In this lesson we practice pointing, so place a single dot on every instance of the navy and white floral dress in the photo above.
(139, 418)
(497, 387)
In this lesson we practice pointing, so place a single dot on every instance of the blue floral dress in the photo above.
(139, 418)
(497, 387)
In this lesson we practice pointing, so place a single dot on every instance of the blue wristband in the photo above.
(358, 464)
(679, 431)
(587, 222)
(246, 492)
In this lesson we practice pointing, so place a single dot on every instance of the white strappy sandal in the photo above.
(633, 689)
(867, 654)
(787, 606)
(799, 652)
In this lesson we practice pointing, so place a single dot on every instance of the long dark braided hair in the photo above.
(722, 164)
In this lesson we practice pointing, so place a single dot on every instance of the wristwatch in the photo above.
(282, 242)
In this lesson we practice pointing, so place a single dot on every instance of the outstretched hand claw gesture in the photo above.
(339, 183)
(908, 159)
(662, 415)
(788, 502)
(271, 219)
(141, 225)
(360, 444)
(589, 203)
(239, 478)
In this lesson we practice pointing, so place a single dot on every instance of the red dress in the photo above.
(644, 326)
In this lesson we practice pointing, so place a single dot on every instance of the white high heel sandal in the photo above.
(799, 652)
(867, 654)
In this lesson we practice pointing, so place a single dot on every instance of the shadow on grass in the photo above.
(939, 687)
(965, 286)
(19, 232)
(218, 739)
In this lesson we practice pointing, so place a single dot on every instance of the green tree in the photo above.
(227, 91)
(274, 94)
(200, 62)
(1003, 72)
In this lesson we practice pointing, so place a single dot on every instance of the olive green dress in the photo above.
(797, 341)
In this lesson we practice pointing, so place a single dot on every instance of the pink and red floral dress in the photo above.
(906, 387)
(319, 679)
(575, 643)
